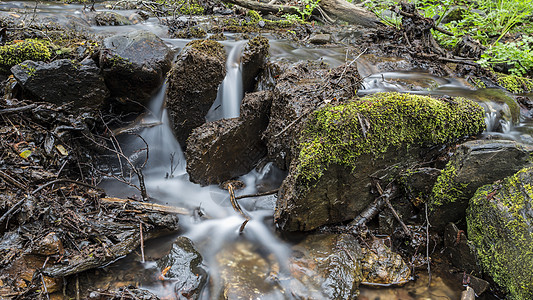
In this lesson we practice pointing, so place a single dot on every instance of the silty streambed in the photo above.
(167, 181)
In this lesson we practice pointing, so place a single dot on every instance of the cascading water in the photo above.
(230, 93)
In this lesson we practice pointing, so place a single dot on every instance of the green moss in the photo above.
(254, 23)
(499, 225)
(209, 47)
(192, 32)
(515, 84)
(446, 188)
(13, 54)
(374, 124)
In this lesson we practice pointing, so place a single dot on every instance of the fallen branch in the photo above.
(407, 231)
(144, 206)
(238, 208)
(257, 195)
(373, 209)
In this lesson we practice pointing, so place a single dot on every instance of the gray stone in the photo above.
(224, 149)
(254, 58)
(460, 251)
(111, 18)
(320, 38)
(61, 82)
(134, 65)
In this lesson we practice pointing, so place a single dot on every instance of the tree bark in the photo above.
(340, 10)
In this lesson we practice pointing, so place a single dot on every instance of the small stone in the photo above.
(320, 38)
(49, 245)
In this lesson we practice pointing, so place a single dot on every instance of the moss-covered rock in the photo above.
(15, 53)
(474, 164)
(500, 224)
(515, 84)
(342, 146)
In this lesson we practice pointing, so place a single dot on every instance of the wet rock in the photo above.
(500, 225)
(111, 18)
(134, 66)
(49, 245)
(473, 164)
(477, 284)
(344, 146)
(61, 82)
(381, 266)
(301, 89)
(186, 271)
(418, 182)
(224, 149)
(460, 251)
(192, 86)
(326, 266)
(468, 294)
(320, 38)
(254, 58)
(244, 274)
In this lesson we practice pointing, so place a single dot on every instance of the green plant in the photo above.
(305, 12)
(518, 54)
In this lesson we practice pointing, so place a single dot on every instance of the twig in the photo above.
(11, 210)
(238, 208)
(64, 180)
(257, 195)
(373, 209)
(11, 180)
(17, 109)
(407, 231)
(427, 245)
(142, 241)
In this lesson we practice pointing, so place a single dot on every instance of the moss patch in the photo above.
(253, 22)
(340, 134)
(446, 189)
(15, 53)
(209, 47)
(500, 224)
(515, 84)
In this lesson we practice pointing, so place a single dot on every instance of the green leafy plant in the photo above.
(304, 13)
(519, 55)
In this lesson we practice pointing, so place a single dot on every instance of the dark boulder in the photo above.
(254, 58)
(134, 65)
(224, 149)
(62, 81)
(474, 164)
(500, 225)
(193, 84)
(301, 89)
(186, 271)
(344, 148)
(460, 251)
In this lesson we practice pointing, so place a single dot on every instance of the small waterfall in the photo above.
(230, 93)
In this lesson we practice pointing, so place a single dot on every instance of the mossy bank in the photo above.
(342, 145)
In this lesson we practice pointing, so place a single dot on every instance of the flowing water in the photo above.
(167, 181)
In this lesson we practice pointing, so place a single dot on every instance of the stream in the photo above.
(167, 181)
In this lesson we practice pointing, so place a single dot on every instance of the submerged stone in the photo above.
(500, 225)
(186, 271)
(474, 164)
(326, 266)
(193, 84)
(343, 146)
(381, 266)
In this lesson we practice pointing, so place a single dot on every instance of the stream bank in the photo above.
(238, 253)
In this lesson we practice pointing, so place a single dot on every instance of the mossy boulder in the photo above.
(15, 53)
(474, 164)
(111, 18)
(134, 65)
(299, 90)
(343, 146)
(515, 84)
(500, 224)
(193, 83)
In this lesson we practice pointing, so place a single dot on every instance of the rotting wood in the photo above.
(373, 209)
